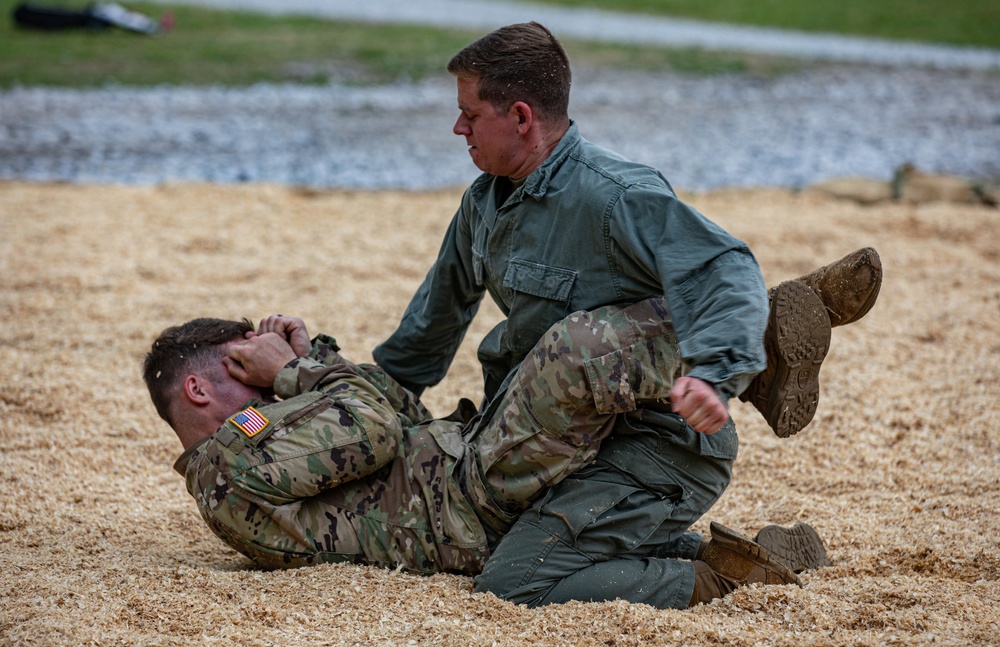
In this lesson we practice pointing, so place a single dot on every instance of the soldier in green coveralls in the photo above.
(555, 224)
(297, 456)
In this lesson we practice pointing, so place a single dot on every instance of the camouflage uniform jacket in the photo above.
(346, 467)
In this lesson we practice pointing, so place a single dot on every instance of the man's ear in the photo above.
(197, 390)
(525, 116)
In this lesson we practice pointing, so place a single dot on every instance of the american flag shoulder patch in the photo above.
(249, 421)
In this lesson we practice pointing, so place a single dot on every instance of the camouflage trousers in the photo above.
(563, 400)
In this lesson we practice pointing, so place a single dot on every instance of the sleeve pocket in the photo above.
(609, 382)
(285, 416)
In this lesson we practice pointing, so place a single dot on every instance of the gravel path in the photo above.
(836, 120)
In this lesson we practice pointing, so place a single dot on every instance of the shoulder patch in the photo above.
(249, 421)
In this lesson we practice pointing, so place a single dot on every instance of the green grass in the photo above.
(958, 22)
(231, 48)
(234, 48)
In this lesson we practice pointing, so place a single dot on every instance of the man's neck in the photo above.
(541, 149)
(189, 437)
(195, 426)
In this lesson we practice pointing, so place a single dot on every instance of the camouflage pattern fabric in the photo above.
(342, 472)
(550, 417)
(348, 467)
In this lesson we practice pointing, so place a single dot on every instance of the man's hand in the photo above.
(699, 404)
(257, 360)
(291, 329)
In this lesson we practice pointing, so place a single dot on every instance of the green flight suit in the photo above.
(586, 229)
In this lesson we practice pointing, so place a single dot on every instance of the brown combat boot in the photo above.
(848, 287)
(796, 342)
(799, 547)
(709, 585)
(742, 561)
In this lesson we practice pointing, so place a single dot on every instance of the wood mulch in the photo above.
(100, 543)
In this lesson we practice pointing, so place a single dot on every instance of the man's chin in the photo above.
(474, 155)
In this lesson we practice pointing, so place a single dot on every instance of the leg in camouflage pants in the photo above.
(610, 528)
(560, 403)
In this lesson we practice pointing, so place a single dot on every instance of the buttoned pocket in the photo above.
(539, 280)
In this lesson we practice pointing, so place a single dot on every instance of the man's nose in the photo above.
(461, 126)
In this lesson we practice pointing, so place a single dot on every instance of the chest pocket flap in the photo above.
(539, 280)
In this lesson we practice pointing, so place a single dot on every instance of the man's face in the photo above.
(492, 138)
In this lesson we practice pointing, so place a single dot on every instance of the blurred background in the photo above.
(354, 94)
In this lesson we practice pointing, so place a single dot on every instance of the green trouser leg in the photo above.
(597, 535)
(563, 401)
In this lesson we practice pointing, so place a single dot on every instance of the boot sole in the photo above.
(799, 547)
(728, 540)
(802, 338)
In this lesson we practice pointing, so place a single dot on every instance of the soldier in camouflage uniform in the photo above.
(346, 465)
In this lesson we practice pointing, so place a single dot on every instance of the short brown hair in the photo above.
(522, 62)
(196, 346)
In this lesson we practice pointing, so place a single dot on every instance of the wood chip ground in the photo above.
(100, 544)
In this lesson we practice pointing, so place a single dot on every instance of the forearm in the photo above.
(297, 377)
(726, 307)
(713, 286)
(419, 352)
